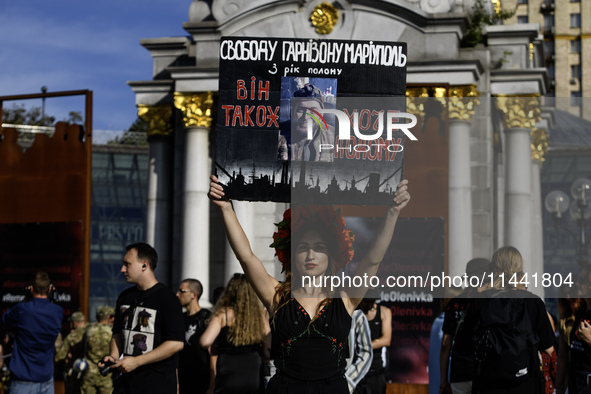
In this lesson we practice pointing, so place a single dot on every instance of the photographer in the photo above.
(37, 323)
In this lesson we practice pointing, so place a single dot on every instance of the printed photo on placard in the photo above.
(302, 101)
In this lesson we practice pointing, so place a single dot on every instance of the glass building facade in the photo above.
(118, 218)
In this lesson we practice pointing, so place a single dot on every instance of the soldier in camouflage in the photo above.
(70, 349)
(94, 340)
(98, 339)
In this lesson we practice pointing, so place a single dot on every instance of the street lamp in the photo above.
(43, 90)
(558, 202)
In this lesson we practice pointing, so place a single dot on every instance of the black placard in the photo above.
(260, 152)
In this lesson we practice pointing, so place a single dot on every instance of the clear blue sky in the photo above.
(83, 44)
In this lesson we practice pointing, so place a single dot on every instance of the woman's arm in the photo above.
(370, 263)
(262, 283)
(386, 337)
(212, 331)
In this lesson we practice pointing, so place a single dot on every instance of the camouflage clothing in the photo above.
(98, 338)
(97, 345)
(72, 347)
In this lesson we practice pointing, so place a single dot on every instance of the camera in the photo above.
(106, 369)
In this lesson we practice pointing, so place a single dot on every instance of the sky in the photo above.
(83, 44)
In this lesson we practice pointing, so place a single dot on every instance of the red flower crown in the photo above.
(314, 214)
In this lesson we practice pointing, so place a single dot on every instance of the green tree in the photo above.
(136, 134)
(74, 117)
(139, 125)
(19, 114)
(480, 19)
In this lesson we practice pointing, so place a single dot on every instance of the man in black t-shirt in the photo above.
(148, 331)
(193, 359)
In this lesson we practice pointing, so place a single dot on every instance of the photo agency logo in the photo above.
(369, 127)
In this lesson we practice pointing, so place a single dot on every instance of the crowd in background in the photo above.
(225, 351)
(489, 339)
(496, 339)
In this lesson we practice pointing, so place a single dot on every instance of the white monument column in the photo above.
(158, 205)
(461, 109)
(539, 147)
(245, 211)
(197, 112)
(519, 116)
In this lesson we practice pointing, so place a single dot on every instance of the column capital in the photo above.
(418, 97)
(462, 101)
(197, 108)
(519, 111)
(158, 118)
(539, 144)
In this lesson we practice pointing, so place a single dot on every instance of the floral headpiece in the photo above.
(324, 216)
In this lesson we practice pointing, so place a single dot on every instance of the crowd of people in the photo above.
(501, 339)
(293, 336)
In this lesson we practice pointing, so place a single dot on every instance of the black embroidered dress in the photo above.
(310, 358)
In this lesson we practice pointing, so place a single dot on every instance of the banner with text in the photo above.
(320, 121)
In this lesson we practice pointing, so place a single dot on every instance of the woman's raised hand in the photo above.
(401, 197)
(216, 192)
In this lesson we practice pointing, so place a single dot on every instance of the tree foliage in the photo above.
(136, 134)
(33, 116)
(19, 114)
(480, 19)
(74, 117)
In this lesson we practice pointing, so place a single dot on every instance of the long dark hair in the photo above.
(248, 325)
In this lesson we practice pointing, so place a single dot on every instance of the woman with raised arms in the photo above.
(311, 325)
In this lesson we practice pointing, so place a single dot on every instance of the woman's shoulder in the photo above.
(224, 314)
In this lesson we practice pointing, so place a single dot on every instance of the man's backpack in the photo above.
(505, 344)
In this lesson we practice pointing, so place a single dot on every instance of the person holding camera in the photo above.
(37, 323)
(149, 329)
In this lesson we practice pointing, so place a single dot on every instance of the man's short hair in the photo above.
(104, 311)
(77, 317)
(195, 286)
(41, 283)
(145, 252)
